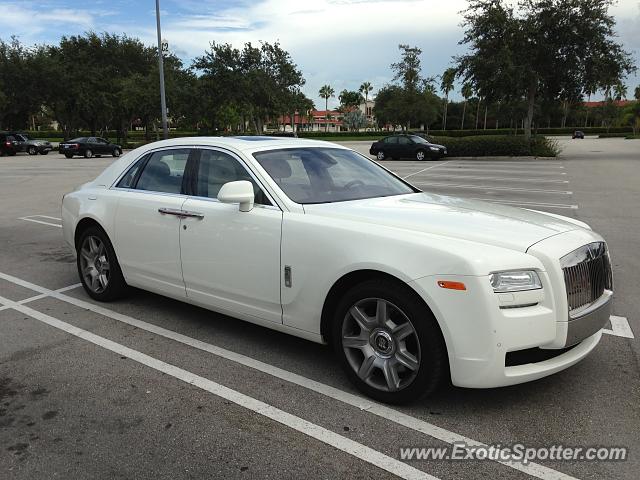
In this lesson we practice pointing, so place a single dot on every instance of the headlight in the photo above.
(515, 281)
(434, 149)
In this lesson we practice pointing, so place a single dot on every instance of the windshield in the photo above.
(79, 140)
(325, 175)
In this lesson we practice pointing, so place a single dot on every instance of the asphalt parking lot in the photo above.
(148, 387)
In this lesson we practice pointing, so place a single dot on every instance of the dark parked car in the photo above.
(407, 146)
(88, 147)
(32, 146)
(578, 134)
(9, 145)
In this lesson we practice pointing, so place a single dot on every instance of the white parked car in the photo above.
(316, 240)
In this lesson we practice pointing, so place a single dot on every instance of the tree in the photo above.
(349, 99)
(354, 120)
(536, 49)
(407, 70)
(326, 92)
(636, 93)
(467, 93)
(446, 85)
(365, 89)
(620, 91)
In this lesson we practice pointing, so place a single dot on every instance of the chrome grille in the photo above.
(587, 274)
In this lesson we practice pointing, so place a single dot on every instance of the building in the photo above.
(324, 120)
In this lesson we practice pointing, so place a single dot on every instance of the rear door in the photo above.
(147, 223)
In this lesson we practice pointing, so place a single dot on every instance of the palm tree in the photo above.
(448, 77)
(620, 91)
(366, 88)
(326, 92)
(467, 93)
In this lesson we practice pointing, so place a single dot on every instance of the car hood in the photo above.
(477, 221)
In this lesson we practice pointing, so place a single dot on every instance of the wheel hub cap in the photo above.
(382, 342)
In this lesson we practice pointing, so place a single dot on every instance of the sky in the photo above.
(338, 42)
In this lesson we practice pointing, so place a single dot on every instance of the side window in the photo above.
(217, 168)
(164, 171)
(404, 141)
(91, 140)
(128, 180)
(391, 140)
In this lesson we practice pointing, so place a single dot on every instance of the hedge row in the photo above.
(498, 145)
(473, 133)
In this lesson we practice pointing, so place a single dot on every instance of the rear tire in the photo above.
(98, 266)
(88, 153)
(32, 151)
(380, 155)
(68, 155)
(45, 152)
(388, 342)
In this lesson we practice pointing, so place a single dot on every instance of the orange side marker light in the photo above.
(451, 285)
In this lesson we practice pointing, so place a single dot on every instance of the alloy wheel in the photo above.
(420, 156)
(94, 264)
(380, 155)
(381, 344)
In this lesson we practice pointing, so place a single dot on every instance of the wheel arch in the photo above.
(82, 225)
(353, 278)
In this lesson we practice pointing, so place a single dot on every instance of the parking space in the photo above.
(149, 387)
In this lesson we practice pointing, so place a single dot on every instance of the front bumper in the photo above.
(481, 330)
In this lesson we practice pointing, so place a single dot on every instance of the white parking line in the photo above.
(312, 430)
(357, 401)
(502, 179)
(528, 163)
(42, 295)
(492, 170)
(428, 168)
(29, 219)
(527, 204)
(493, 187)
(619, 327)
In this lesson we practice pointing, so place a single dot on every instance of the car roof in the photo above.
(243, 143)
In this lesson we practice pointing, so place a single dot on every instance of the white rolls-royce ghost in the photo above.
(313, 239)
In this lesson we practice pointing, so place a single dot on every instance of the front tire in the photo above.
(68, 155)
(116, 152)
(88, 153)
(388, 342)
(98, 266)
(44, 152)
(421, 156)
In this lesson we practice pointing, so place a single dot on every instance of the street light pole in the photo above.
(163, 101)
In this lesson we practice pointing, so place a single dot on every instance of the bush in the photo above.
(498, 145)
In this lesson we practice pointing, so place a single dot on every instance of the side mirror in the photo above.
(240, 192)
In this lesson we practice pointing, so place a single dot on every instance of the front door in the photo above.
(147, 223)
(231, 259)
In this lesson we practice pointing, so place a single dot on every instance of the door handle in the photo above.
(181, 213)
(189, 214)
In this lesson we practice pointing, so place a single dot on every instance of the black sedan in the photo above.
(89, 147)
(578, 134)
(407, 146)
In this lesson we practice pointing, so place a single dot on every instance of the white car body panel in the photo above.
(233, 261)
